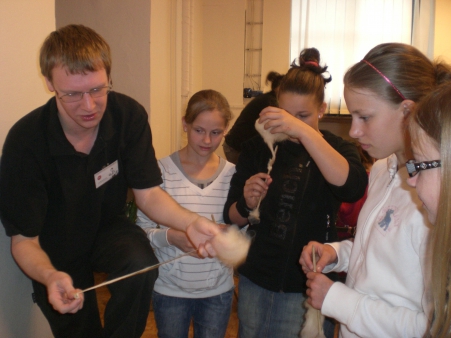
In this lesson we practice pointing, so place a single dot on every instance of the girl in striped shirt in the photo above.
(193, 289)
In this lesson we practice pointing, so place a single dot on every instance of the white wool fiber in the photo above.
(231, 246)
(270, 139)
(254, 215)
(313, 323)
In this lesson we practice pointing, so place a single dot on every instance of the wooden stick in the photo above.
(139, 271)
(314, 258)
(318, 313)
(152, 267)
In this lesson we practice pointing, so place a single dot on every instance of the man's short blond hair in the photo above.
(76, 47)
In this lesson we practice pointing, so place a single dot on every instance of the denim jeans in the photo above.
(210, 315)
(267, 314)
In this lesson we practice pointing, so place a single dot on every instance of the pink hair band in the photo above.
(311, 63)
(385, 78)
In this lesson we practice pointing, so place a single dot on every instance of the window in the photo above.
(345, 30)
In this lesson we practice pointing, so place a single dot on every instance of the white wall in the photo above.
(163, 85)
(223, 51)
(126, 28)
(223, 46)
(23, 26)
(276, 37)
(442, 45)
(217, 57)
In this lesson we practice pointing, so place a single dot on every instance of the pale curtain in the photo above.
(345, 30)
(423, 27)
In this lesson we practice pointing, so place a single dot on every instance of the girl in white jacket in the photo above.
(192, 289)
(387, 271)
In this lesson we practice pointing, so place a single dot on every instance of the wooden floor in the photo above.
(151, 330)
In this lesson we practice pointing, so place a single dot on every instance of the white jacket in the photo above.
(189, 277)
(384, 295)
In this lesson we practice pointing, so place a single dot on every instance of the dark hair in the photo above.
(206, 100)
(275, 79)
(307, 77)
(408, 70)
(76, 47)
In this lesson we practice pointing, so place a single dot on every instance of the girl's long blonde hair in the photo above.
(433, 116)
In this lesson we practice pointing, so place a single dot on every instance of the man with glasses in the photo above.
(65, 171)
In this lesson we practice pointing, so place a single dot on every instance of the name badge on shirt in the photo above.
(106, 174)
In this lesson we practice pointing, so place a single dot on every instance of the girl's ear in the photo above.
(407, 107)
(322, 109)
(185, 125)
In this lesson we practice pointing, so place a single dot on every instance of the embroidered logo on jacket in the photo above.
(387, 219)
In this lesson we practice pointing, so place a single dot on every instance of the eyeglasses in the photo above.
(414, 168)
(77, 96)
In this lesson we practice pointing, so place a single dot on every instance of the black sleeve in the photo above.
(357, 181)
(243, 128)
(23, 189)
(253, 159)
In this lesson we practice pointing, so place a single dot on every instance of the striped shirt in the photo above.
(189, 277)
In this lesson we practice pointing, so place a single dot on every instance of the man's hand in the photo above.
(61, 293)
(36, 264)
(318, 286)
(326, 253)
(200, 231)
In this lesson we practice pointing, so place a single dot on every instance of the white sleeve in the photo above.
(372, 317)
(156, 235)
(343, 250)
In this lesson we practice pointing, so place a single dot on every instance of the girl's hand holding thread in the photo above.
(255, 187)
(327, 255)
(283, 122)
(180, 240)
